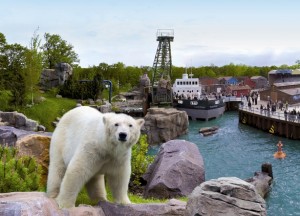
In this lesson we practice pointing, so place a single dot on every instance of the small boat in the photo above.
(187, 96)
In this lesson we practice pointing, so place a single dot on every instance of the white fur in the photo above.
(85, 146)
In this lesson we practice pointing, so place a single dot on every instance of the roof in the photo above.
(286, 84)
(281, 71)
(296, 72)
(237, 87)
(293, 91)
(258, 77)
(225, 78)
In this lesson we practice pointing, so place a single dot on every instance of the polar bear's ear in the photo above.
(140, 122)
(105, 119)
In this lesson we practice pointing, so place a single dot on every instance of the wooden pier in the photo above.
(272, 122)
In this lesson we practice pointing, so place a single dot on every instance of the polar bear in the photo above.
(86, 146)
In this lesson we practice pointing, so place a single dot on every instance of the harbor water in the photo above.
(239, 150)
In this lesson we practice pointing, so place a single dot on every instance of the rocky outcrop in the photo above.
(10, 135)
(54, 77)
(173, 207)
(17, 120)
(178, 168)
(227, 196)
(36, 203)
(262, 180)
(164, 124)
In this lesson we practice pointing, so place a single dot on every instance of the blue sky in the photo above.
(219, 32)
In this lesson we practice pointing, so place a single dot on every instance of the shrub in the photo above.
(18, 174)
(140, 160)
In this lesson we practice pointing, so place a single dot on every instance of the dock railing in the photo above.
(271, 114)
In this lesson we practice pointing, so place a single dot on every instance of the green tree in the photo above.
(57, 50)
(34, 64)
(3, 62)
(15, 62)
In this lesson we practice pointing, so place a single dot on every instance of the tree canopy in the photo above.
(57, 50)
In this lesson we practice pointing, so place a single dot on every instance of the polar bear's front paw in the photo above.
(124, 201)
(64, 203)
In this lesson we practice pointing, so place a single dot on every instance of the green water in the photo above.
(240, 150)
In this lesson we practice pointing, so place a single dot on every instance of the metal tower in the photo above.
(162, 68)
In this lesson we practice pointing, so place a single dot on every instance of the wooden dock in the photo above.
(276, 123)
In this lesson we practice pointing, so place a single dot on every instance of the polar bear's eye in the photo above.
(116, 124)
(130, 125)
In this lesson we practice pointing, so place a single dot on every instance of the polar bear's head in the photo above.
(122, 129)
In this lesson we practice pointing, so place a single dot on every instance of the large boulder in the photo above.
(226, 196)
(54, 77)
(36, 203)
(178, 168)
(262, 180)
(164, 124)
(37, 146)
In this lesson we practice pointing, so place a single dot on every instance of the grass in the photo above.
(83, 198)
(47, 111)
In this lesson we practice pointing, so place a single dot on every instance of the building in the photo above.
(210, 84)
(228, 80)
(238, 90)
(260, 82)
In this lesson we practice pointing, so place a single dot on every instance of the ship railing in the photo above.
(271, 114)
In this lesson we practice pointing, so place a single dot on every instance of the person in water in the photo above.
(279, 146)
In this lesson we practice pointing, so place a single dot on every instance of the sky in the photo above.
(206, 32)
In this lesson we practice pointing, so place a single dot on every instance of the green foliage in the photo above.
(18, 174)
(57, 50)
(140, 160)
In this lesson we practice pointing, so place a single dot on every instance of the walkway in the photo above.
(278, 114)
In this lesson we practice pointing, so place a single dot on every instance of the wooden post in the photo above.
(267, 168)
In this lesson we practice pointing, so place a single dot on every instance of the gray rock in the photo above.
(173, 207)
(261, 182)
(41, 128)
(54, 77)
(164, 124)
(18, 120)
(36, 203)
(178, 168)
(10, 135)
(227, 196)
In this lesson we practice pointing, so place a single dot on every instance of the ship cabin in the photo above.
(187, 88)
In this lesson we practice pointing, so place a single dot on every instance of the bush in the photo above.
(140, 160)
(18, 174)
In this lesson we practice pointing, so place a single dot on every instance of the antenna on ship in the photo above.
(162, 68)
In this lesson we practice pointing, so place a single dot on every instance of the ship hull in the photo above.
(200, 109)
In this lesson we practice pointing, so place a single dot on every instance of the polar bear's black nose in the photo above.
(122, 136)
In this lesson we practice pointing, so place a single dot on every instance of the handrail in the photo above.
(271, 114)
